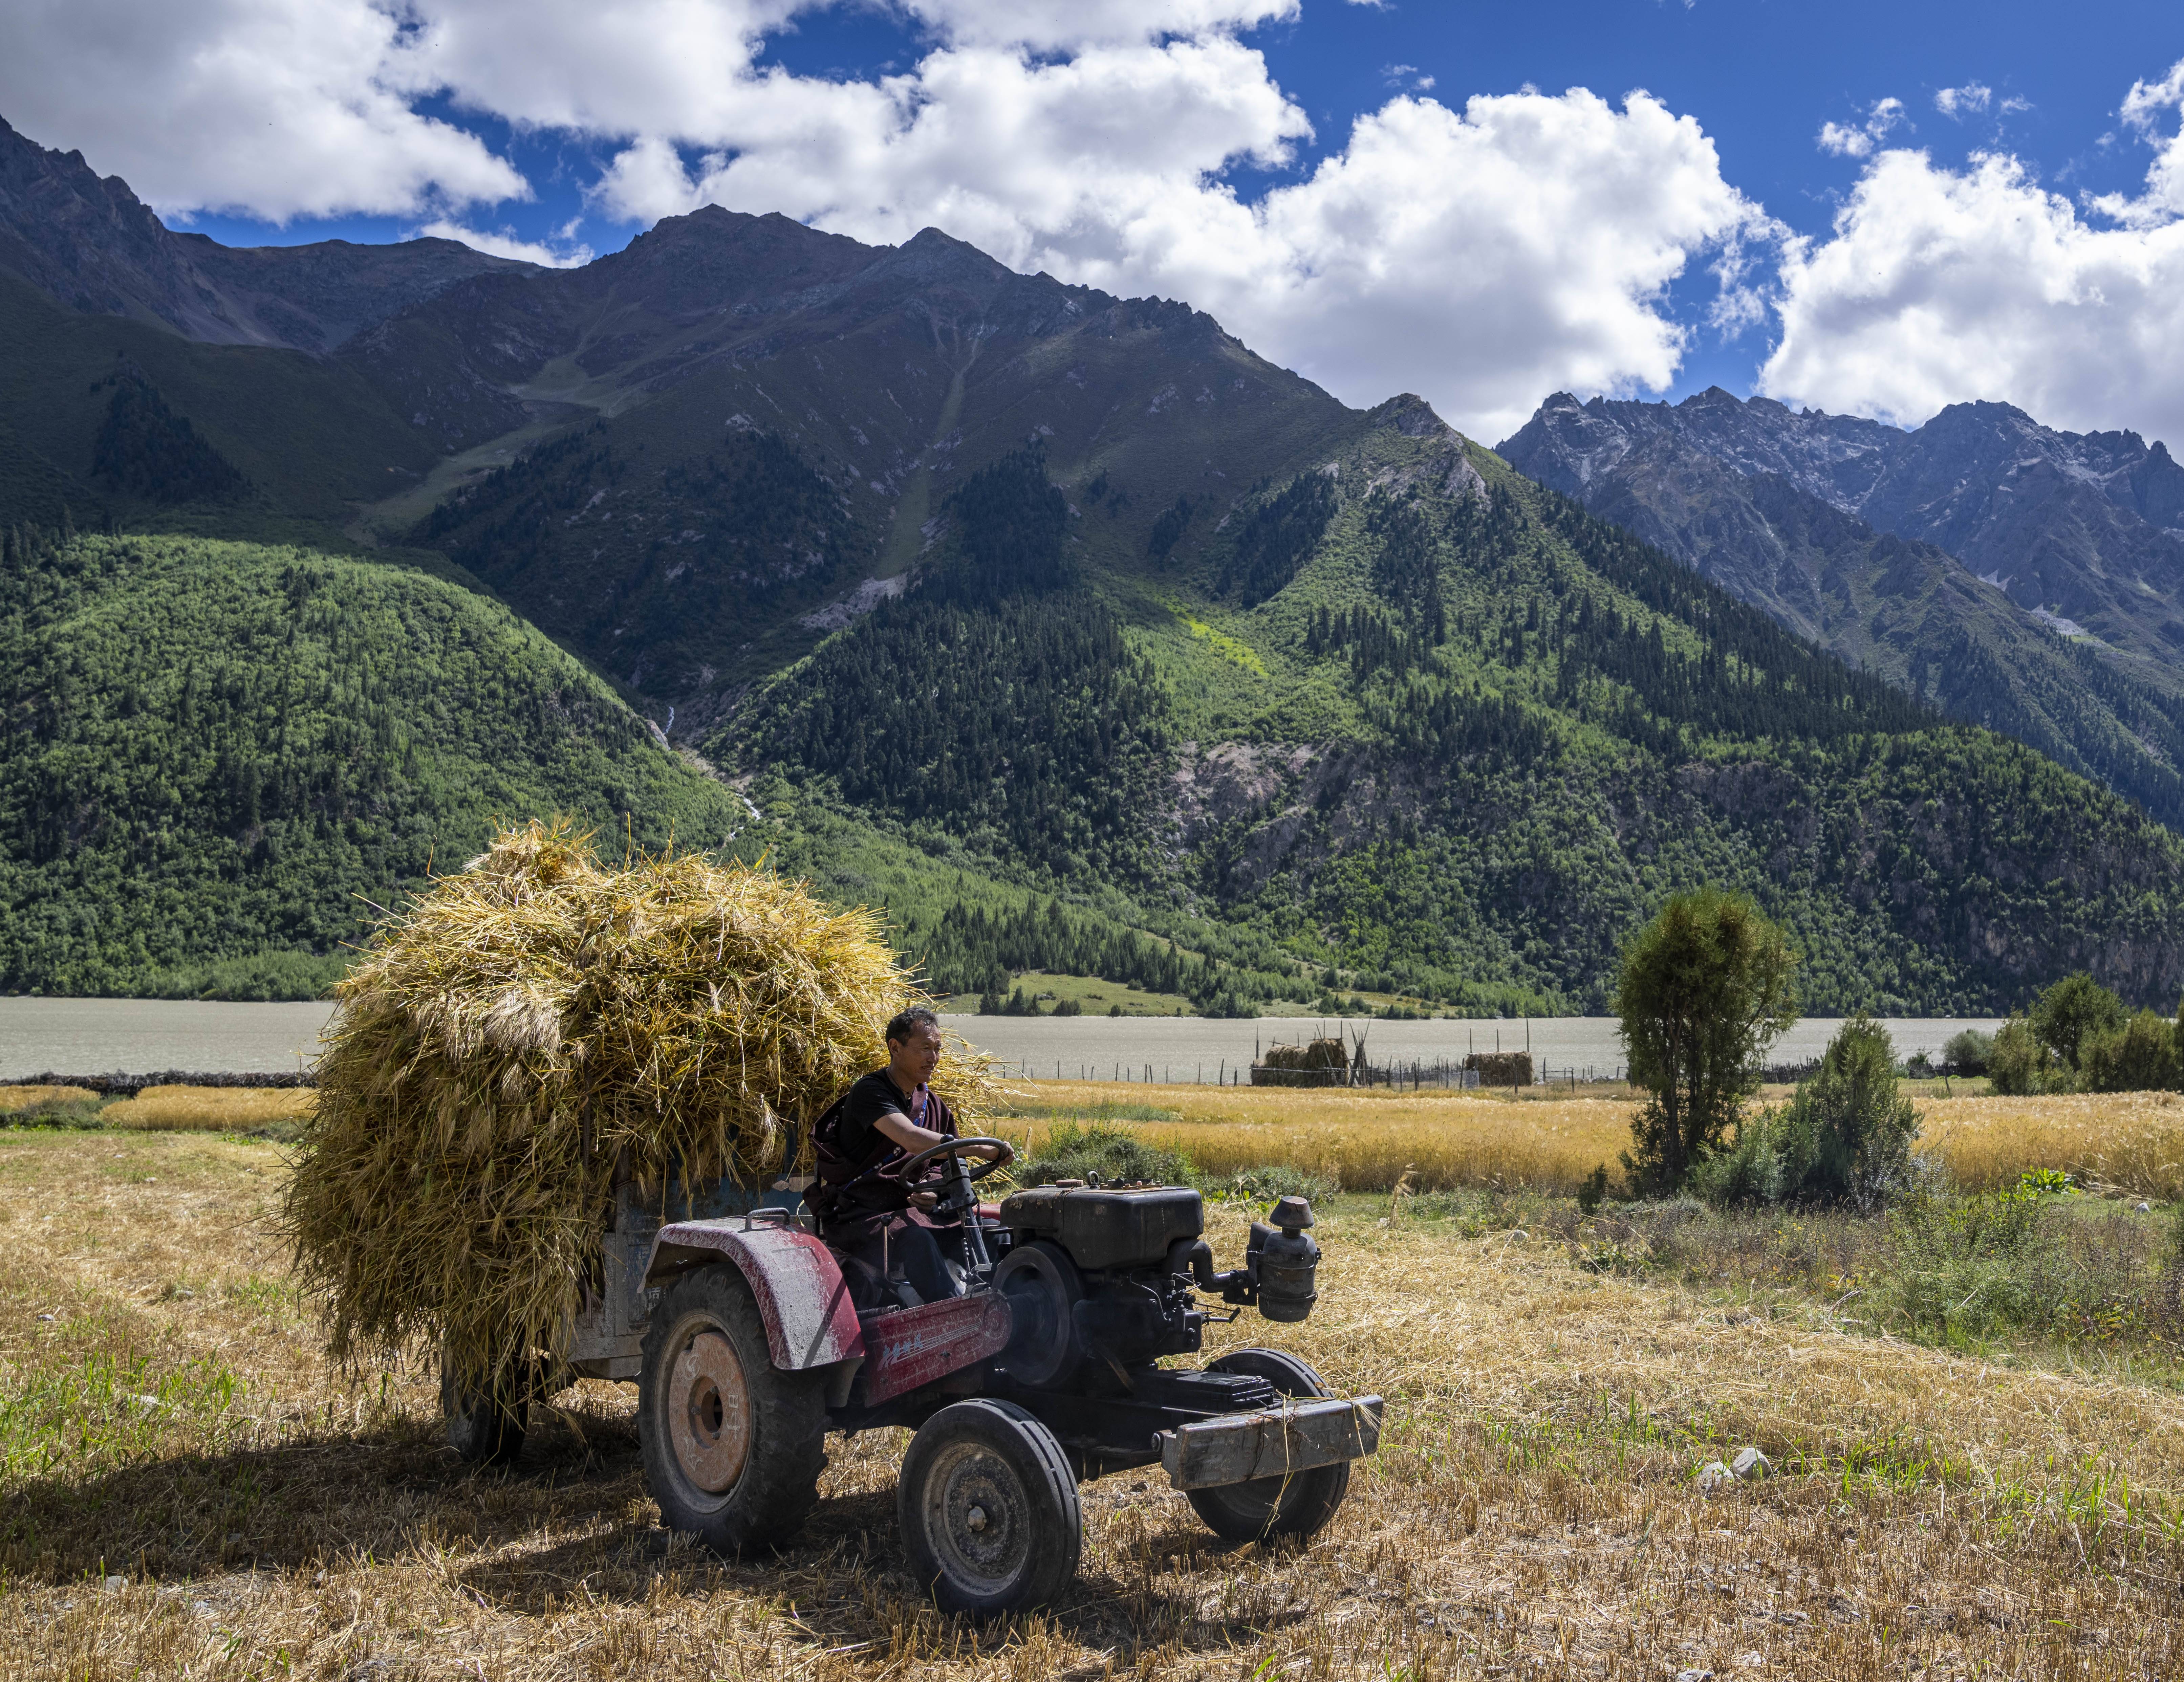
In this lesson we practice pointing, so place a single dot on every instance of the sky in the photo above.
(1872, 208)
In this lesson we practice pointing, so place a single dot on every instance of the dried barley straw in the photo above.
(533, 1028)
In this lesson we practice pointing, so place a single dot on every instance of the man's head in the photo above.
(913, 1040)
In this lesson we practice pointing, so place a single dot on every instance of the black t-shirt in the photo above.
(856, 1133)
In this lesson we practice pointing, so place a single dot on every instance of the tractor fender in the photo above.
(801, 1296)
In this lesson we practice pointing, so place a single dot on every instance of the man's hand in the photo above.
(924, 1199)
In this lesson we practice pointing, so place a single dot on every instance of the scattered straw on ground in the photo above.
(186, 1491)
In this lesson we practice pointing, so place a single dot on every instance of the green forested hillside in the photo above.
(213, 752)
(1466, 745)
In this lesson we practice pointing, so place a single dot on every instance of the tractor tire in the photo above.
(486, 1426)
(1298, 1505)
(988, 1510)
(732, 1445)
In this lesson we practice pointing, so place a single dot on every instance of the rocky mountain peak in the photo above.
(91, 245)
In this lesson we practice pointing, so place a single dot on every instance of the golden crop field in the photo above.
(211, 1109)
(1368, 1139)
(186, 1491)
(14, 1098)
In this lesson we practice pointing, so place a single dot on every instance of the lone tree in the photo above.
(1705, 987)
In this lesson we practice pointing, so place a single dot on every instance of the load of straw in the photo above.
(1315, 1054)
(536, 1028)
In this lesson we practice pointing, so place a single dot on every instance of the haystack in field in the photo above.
(539, 1025)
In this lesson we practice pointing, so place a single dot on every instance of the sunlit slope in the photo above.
(216, 751)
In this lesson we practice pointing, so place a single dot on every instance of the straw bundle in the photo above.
(535, 1028)
(1317, 1054)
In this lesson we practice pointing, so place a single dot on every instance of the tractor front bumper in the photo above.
(1237, 1448)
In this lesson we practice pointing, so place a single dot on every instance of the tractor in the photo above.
(749, 1339)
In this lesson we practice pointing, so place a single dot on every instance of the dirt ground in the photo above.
(186, 1491)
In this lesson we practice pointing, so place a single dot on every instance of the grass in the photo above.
(1534, 1512)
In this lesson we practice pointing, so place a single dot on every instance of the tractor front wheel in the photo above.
(1298, 1505)
(732, 1445)
(988, 1510)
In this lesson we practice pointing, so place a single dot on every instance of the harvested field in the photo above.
(189, 1493)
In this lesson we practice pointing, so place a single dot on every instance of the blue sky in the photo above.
(2042, 88)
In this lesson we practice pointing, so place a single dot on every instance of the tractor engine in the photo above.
(1101, 1279)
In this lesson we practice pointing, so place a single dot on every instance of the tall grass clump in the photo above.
(1071, 1152)
(2035, 1258)
(538, 1026)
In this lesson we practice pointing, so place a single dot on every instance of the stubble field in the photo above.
(189, 1492)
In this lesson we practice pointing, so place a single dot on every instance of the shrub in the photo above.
(1071, 1152)
(2018, 1261)
(1969, 1267)
(2022, 1065)
(1844, 1138)
(1968, 1052)
(2139, 1055)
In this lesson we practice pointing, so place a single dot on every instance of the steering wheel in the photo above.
(954, 1147)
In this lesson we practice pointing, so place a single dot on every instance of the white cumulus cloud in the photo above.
(1857, 140)
(1957, 102)
(564, 251)
(1939, 285)
(276, 107)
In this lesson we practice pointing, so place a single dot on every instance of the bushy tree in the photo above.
(2074, 1007)
(2139, 1055)
(1705, 988)
(1844, 1138)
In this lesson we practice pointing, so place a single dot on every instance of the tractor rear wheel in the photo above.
(1298, 1505)
(485, 1425)
(988, 1510)
(732, 1445)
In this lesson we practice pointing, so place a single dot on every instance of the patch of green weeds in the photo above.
(103, 1406)
(58, 1112)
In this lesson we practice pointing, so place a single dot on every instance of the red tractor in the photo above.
(749, 1339)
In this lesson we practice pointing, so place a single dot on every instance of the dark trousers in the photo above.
(915, 1251)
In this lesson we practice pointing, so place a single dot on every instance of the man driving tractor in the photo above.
(876, 1221)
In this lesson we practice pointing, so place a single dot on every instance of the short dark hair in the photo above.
(909, 1021)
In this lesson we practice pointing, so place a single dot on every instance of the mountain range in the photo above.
(1060, 625)
(2018, 577)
